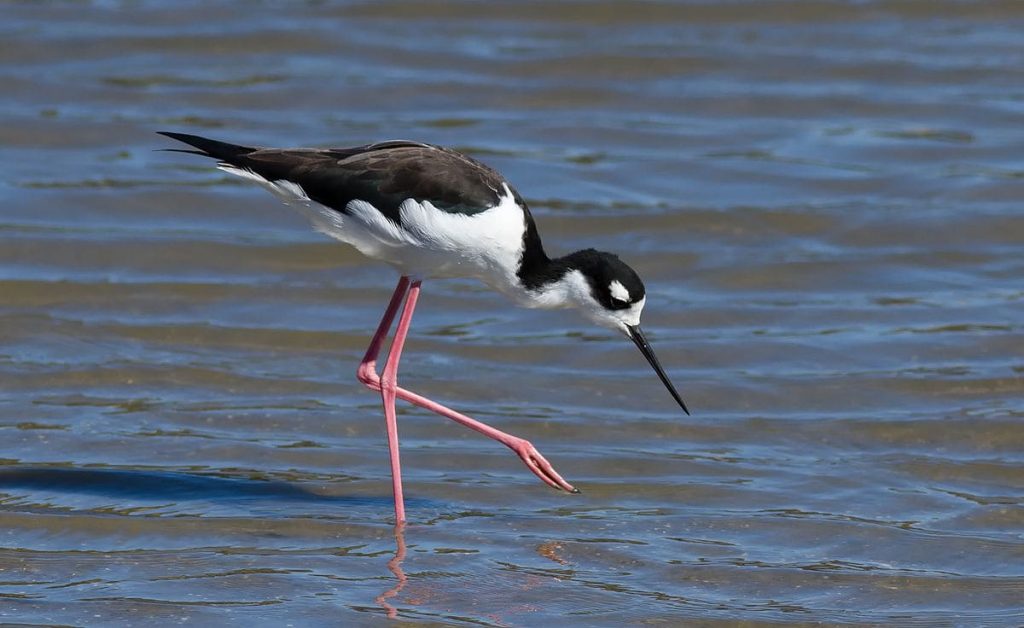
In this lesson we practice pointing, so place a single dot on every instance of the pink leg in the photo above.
(367, 368)
(388, 392)
(523, 448)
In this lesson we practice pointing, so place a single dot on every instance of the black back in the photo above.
(383, 174)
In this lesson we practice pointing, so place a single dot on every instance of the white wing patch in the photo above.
(289, 192)
(324, 219)
(377, 224)
(618, 291)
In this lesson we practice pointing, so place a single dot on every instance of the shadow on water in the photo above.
(128, 485)
(167, 485)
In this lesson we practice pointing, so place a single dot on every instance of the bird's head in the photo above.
(610, 293)
(607, 290)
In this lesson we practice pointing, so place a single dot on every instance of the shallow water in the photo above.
(824, 200)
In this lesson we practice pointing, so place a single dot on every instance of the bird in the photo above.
(433, 212)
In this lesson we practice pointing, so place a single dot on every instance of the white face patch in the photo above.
(617, 319)
(618, 291)
(573, 290)
(631, 315)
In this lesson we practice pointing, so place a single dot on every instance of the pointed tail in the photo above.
(209, 148)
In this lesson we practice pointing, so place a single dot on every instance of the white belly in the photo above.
(429, 243)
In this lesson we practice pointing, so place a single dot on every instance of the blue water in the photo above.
(822, 197)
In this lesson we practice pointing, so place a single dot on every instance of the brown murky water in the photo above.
(824, 199)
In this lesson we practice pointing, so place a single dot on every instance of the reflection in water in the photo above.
(395, 565)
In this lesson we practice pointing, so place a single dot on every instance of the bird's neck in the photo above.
(538, 271)
(551, 283)
(535, 264)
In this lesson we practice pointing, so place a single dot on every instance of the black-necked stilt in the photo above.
(433, 212)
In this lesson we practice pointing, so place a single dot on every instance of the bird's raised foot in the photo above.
(539, 465)
(368, 376)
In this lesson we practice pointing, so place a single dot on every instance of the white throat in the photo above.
(569, 291)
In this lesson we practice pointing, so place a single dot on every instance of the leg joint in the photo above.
(367, 375)
(389, 383)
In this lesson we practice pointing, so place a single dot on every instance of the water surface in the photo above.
(824, 200)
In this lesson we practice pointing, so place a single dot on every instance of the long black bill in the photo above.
(641, 343)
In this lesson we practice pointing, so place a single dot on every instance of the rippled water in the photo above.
(824, 199)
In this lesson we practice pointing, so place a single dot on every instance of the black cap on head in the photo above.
(613, 283)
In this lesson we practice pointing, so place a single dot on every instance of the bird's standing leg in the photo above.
(389, 390)
(367, 374)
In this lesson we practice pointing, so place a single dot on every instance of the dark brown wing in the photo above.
(383, 174)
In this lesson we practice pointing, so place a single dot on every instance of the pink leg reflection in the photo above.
(395, 566)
